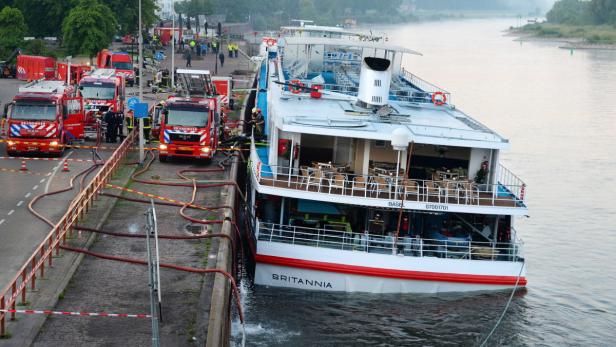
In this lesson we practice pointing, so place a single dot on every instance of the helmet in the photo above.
(254, 109)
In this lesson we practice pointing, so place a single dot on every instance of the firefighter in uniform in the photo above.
(147, 127)
(110, 119)
(130, 121)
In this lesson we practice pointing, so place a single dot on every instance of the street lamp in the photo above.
(141, 139)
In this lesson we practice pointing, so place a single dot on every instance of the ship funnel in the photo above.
(374, 82)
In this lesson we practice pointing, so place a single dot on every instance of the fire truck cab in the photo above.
(101, 90)
(189, 124)
(43, 117)
(122, 62)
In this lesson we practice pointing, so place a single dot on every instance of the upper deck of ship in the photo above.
(334, 64)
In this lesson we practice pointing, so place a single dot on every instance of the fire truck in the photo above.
(101, 90)
(122, 62)
(190, 124)
(43, 117)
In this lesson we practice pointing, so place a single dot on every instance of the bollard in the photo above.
(23, 166)
(65, 168)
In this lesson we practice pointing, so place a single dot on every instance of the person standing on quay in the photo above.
(221, 57)
(188, 58)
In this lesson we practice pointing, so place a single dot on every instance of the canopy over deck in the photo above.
(312, 41)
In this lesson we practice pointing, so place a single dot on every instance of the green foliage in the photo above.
(603, 11)
(45, 17)
(12, 30)
(580, 12)
(89, 28)
(36, 47)
(271, 14)
(573, 12)
(127, 14)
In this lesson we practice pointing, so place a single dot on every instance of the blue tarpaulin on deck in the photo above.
(311, 206)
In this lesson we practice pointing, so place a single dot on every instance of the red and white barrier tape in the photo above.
(51, 159)
(81, 314)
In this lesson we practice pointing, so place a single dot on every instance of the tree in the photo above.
(45, 17)
(127, 14)
(573, 12)
(603, 11)
(88, 28)
(12, 29)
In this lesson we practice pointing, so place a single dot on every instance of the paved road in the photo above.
(20, 231)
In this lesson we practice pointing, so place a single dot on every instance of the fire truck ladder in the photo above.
(195, 82)
(102, 73)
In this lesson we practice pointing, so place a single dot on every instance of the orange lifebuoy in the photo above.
(296, 86)
(439, 102)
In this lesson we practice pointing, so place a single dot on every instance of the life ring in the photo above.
(439, 102)
(296, 86)
(271, 42)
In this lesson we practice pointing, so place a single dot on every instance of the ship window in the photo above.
(376, 99)
(377, 83)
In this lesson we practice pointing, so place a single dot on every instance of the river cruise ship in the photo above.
(364, 177)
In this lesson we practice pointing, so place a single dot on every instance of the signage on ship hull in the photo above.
(301, 280)
(430, 207)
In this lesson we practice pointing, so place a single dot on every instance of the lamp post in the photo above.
(173, 51)
(141, 139)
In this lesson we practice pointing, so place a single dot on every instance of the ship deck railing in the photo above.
(510, 191)
(456, 248)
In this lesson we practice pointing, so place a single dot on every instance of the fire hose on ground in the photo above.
(194, 185)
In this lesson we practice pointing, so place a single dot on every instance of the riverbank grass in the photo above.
(594, 34)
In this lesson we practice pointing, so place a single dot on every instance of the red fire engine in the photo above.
(122, 62)
(189, 125)
(101, 90)
(43, 117)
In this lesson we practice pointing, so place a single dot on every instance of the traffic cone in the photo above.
(23, 166)
(65, 168)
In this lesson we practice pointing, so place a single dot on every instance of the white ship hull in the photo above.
(310, 268)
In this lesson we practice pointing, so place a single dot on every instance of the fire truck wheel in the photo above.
(163, 158)
(11, 153)
(206, 161)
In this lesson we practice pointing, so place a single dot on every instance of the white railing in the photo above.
(458, 192)
(512, 183)
(425, 85)
(408, 246)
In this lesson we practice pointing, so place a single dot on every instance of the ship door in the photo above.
(342, 150)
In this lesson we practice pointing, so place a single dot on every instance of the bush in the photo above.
(36, 47)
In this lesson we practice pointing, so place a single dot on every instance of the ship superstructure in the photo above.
(368, 178)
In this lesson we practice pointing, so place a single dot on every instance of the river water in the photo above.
(558, 108)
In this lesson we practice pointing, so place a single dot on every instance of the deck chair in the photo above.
(471, 193)
(411, 188)
(315, 180)
(359, 183)
(338, 182)
(432, 189)
(380, 185)
(304, 176)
